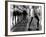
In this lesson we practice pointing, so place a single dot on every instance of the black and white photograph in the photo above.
(25, 18)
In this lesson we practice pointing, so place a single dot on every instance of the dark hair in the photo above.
(16, 13)
(13, 6)
(24, 6)
(33, 7)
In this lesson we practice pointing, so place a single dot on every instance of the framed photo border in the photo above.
(6, 18)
